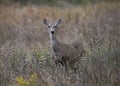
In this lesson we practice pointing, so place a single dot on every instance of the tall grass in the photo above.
(25, 50)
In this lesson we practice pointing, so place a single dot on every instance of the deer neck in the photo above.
(54, 41)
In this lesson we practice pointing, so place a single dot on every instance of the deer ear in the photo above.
(45, 21)
(58, 22)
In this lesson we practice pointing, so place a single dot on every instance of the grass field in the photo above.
(25, 47)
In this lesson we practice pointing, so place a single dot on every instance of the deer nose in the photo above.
(52, 32)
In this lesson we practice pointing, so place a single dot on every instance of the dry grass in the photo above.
(24, 44)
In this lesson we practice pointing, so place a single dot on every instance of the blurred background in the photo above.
(53, 2)
(25, 58)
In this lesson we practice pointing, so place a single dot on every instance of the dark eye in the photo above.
(48, 26)
(55, 26)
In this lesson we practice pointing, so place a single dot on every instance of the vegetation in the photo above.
(25, 56)
(32, 81)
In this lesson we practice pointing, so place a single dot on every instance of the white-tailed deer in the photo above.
(64, 54)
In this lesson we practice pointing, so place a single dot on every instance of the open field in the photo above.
(25, 47)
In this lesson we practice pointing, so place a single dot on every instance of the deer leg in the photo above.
(65, 66)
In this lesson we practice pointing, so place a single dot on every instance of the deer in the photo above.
(63, 53)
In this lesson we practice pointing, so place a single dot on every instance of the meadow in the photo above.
(25, 54)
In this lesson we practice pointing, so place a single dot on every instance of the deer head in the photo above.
(52, 27)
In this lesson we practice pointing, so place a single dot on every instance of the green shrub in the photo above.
(32, 81)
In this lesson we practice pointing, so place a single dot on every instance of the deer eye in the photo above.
(48, 26)
(55, 26)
